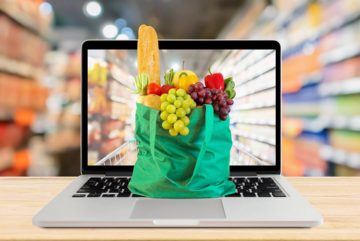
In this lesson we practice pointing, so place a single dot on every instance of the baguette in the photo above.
(148, 53)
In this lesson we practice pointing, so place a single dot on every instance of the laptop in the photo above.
(99, 197)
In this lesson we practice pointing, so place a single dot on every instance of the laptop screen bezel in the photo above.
(178, 44)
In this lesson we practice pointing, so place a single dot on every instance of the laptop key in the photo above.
(107, 179)
(83, 190)
(253, 179)
(93, 180)
(257, 186)
(267, 180)
(239, 179)
(79, 195)
(94, 195)
(108, 195)
(124, 192)
(263, 194)
(114, 190)
(123, 195)
(278, 194)
(248, 194)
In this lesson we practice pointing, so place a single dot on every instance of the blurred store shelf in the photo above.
(111, 111)
(27, 15)
(23, 47)
(321, 84)
(253, 114)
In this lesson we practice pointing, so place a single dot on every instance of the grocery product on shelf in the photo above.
(320, 82)
(62, 128)
(23, 46)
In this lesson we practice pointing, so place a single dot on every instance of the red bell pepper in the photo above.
(214, 81)
(165, 88)
(154, 89)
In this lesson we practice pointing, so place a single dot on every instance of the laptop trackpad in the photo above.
(178, 209)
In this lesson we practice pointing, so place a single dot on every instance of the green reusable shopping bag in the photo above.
(192, 166)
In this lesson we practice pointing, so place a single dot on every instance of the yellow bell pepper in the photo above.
(184, 78)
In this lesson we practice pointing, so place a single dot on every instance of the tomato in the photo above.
(154, 89)
(165, 89)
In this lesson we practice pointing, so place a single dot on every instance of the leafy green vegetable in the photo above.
(227, 80)
(229, 87)
(141, 82)
(231, 93)
(169, 76)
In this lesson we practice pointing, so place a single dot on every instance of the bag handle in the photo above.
(209, 124)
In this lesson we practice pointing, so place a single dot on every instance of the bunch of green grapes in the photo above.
(176, 105)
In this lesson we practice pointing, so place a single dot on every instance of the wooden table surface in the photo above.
(337, 199)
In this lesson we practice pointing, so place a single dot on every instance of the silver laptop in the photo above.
(100, 198)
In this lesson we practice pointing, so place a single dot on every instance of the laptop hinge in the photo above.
(243, 174)
(118, 173)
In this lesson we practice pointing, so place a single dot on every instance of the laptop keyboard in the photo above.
(256, 187)
(111, 187)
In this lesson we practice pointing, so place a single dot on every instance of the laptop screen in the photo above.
(112, 101)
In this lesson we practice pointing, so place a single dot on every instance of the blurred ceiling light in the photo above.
(110, 31)
(270, 12)
(120, 23)
(175, 66)
(92, 9)
(128, 31)
(122, 37)
(45, 8)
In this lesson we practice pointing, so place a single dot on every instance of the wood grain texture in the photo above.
(337, 199)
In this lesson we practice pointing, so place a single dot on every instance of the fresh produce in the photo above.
(221, 103)
(182, 90)
(169, 76)
(152, 101)
(214, 81)
(184, 78)
(175, 106)
(141, 82)
(218, 98)
(230, 87)
(153, 89)
(165, 88)
(148, 53)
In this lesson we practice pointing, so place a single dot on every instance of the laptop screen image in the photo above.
(112, 102)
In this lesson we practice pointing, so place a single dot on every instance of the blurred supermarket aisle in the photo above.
(112, 107)
(253, 113)
(40, 78)
(320, 44)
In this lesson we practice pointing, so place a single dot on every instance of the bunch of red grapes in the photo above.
(218, 98)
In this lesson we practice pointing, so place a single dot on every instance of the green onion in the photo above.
(141, 82)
